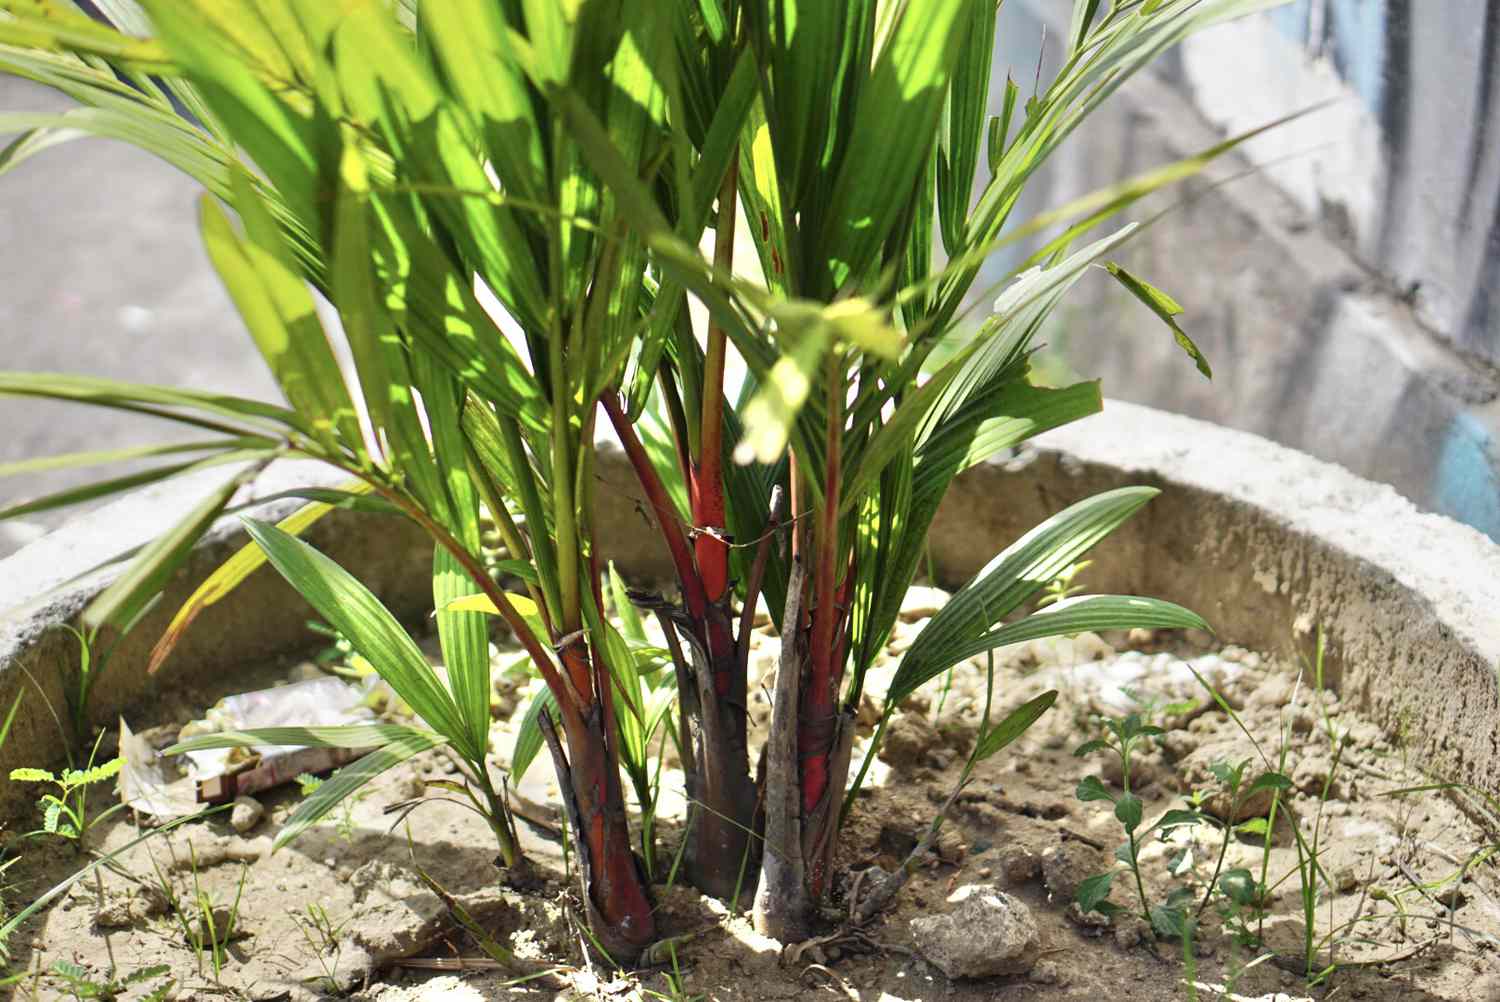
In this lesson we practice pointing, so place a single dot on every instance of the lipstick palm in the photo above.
(408, 161)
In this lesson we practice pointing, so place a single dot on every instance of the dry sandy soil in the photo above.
(344, 911)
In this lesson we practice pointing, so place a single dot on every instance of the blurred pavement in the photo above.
(102, 273)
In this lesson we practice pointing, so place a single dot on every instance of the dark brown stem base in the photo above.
(798, 853)
(722, 854)
(616, 893)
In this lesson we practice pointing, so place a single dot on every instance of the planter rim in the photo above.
(1451, 567)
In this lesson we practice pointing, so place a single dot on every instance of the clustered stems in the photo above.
(400, 168)
(711, 663)
(615, 890)
(711, 676)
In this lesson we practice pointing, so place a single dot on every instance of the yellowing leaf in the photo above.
(865, 326)
(481, 603)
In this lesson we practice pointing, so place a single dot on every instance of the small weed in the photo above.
(1062, 586)
(206, 926)
(323, 939)
(1244, 896)
(676, 988)
(14, 922)
(92, 662)
(6, 861)
(80, 985)
(1237, 886)
(308, 784)
(65, 812)
(339, 656)
(1154, 709)
(1122, 736)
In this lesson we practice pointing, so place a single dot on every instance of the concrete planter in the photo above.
(1267, 543)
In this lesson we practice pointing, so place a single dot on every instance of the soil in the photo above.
(349, 909)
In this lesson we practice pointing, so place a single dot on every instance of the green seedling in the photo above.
(79, 984)
(93, 660)
(206, 927)
(1236, 885)
(65, 807)
(323, 939)
(676, 986)
(1312, 878)
(338, 655)
(1122, 737)
(1062, 587)
(308, 784)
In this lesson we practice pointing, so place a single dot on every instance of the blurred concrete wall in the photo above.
(1348, 288)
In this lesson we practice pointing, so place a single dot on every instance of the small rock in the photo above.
(246, 814)
(203, 849)
(1046, 973)
(396, 929)
(1346, 879)
(1131, 931)
(379, 881)
(922, 603)
(1201, 639)
(1274, 692)
(1018, 865)
(949, 846)
(1068, 651)
(1089, 923)
(988, 933)
(1451, 897)
(1067, 865)
(116, 913)
(1179, 743)
(305, 671)
(908, 740)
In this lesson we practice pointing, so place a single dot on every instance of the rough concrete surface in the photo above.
(1267, 543)
(1338, 270)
